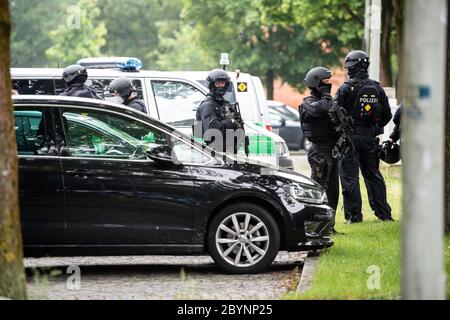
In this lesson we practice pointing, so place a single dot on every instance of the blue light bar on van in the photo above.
(122, 63)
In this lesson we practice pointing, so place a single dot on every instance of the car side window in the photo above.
(100, 134)
(177, 101)
(34, 131)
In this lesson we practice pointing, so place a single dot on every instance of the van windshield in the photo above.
(177, 102)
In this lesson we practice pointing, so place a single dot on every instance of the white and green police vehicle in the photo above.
(172, 97)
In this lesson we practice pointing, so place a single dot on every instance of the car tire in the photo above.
(238, 252)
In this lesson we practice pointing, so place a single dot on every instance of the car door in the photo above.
(114, 194)
(41, 194)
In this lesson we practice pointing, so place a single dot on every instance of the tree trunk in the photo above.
(12, 275)
(269, 83)
(447, 136)
(399, 6)
(385, 50)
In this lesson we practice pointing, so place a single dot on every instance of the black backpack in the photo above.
(367, 107)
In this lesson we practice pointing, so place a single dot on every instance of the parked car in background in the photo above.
(286, 123)
(97, 178)
(283, 108)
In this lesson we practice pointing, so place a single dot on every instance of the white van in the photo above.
(172, 97)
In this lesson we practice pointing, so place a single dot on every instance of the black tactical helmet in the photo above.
(74, 74)
(390, 152)
(123, 86)
(357, 59)
(217, 75)
(314, 76)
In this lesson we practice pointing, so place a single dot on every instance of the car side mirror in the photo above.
(283, 122)
(163, 154)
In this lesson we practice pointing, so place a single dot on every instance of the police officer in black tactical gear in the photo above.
(124, 93)
(367, 103)
(319, 130)
(75, 76)
(212, 115)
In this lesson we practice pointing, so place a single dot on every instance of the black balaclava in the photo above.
(218, 93)
(321, 89)
(357, 71)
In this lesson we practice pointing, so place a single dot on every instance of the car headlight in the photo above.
(282, 149)
(306, 193)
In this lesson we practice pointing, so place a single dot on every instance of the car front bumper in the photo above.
(311, 228)
(286, 162)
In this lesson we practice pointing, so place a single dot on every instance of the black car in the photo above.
(286, 123)
(102, 179)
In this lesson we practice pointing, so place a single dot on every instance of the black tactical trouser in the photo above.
(325, 171)
(367, 159)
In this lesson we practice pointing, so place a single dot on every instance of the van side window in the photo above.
(34, 131)
(177, 102)
(100, 86)
(34, 86)
(60, 86)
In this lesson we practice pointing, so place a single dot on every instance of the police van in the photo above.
(172, 97)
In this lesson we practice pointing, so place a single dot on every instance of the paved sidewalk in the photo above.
(157, 277)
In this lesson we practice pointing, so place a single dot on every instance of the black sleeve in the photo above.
(398, 116)
(143, 107)
(343, 96)
(209, 117)
(138, 105)
(386, 114)
(395, 135)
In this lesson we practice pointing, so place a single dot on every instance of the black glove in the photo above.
(230, 123)
(327, 96)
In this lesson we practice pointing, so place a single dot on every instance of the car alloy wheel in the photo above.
(243, 238)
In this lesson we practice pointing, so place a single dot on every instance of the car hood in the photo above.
(252, 166)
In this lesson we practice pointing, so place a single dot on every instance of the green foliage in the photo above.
(182, 51)
(71, 41)
(338, 22)
(286, 37)
(257, 42)
(133, 27)
(31, 23)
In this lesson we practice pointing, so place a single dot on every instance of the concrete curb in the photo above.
(308, 270)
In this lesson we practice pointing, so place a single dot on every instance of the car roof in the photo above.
(85, 102)
(57, 72)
